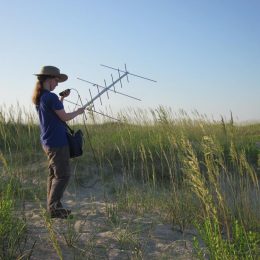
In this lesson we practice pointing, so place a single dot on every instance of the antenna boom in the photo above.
(104, 90)
(117, 92)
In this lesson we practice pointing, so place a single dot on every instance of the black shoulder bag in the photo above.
(75, 140)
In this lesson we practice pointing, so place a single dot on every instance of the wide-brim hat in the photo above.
(53, 72)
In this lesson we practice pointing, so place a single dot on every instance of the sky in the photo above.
(204, 54)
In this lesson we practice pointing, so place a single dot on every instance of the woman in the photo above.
(53, 136)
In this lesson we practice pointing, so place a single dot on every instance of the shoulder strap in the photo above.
(70, 129)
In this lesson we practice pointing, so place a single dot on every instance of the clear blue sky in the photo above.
(204, 54)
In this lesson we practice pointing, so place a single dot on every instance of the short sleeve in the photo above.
(56, 104)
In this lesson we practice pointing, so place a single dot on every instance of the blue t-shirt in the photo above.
(53, 130)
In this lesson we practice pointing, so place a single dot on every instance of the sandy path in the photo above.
(95, 233)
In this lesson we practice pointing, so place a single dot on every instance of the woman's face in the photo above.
(53, 83)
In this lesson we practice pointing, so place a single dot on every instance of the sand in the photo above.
(95, 233)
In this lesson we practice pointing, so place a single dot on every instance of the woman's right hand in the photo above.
(68, 116)
(80, 110)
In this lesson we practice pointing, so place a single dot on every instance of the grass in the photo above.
(13, 238)
(185, 170)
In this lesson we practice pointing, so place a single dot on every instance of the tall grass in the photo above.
(191, 171)
(216, 162)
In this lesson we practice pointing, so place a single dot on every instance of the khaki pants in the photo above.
(59, 175)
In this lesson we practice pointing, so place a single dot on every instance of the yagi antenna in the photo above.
(117, 92)
(105, 89)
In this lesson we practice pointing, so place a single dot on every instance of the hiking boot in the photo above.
(60, 213)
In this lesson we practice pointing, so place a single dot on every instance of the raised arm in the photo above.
(64, 116)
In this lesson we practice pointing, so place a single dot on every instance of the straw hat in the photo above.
(53, 72)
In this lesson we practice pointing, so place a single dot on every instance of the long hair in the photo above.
(38, 89)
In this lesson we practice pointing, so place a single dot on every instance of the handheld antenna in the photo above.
(117, 92)
(103, 91)
(125, 72)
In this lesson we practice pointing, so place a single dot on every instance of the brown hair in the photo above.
(38, 88)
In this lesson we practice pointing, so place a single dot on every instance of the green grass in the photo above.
(191, 172)
(12, 228)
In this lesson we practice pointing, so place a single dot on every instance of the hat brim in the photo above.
(61, 77)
